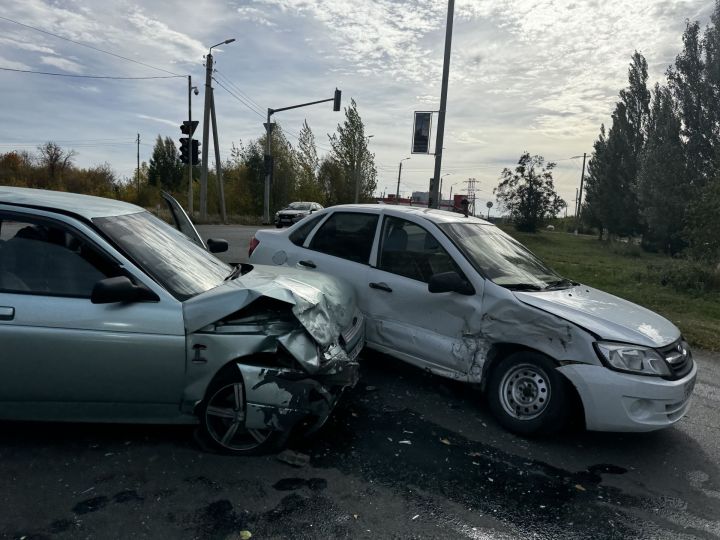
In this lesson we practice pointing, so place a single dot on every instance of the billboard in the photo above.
(421, 132)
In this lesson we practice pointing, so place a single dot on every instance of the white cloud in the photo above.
(62, 63)
(159, 120)
(12, 64)
(27, 46)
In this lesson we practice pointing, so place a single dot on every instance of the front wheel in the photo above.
(222, 421)
(527, 395)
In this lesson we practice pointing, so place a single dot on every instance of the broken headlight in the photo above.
(632, 358)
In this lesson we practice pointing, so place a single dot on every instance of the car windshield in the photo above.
(299, 206)
(501, 258)
(170, 257)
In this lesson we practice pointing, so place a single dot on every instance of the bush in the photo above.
(686, 276)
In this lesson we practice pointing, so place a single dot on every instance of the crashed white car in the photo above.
(462, 299)
(108, 314)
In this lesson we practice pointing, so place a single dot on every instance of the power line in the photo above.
(235, 87)
(238, 98)
(89, 76)
(89, 46)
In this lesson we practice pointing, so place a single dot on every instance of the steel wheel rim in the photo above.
(525, 391)
(225, 419)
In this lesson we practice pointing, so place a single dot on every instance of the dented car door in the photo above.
(431, 330)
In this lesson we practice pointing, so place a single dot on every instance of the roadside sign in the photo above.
(421, 132)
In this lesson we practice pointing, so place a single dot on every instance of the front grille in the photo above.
(679, 358)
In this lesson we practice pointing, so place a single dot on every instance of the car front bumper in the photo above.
(615, 401)
(279, 399)
(288, 220)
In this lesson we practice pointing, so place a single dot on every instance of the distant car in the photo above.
(295, 212)
(109, 314)
(457, 296)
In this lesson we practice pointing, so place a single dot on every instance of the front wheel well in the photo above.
(500, 351)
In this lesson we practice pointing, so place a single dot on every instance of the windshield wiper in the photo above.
(561, 284)
(523, 287)
(235, 272)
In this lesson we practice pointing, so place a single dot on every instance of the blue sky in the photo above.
(535, 75)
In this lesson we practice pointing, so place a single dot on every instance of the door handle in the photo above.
(307, 264)
(381, 286)
(7, 313)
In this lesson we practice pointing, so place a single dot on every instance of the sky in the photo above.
(525, 75)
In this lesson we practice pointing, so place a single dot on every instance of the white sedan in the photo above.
(462, 299)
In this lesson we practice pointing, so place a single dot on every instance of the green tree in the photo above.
(350, 151)
(663, 189)
(166, 170)
(528, 192)
(307, 187)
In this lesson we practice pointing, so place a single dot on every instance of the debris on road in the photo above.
(445, 441)
(296, 459)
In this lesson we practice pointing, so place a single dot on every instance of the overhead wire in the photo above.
(73, 75)
(90, 46)
(233, 94)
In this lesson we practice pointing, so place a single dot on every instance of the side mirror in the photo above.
(217, 245)
(120, 289)
(449, 282)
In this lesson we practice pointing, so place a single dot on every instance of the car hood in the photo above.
(324, 305)
(605, 315)
(293, 212)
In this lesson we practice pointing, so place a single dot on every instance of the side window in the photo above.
(43, 257)
(409, 250)
(298, 236)
(347, 235)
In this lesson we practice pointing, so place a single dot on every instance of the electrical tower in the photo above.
(471, 190)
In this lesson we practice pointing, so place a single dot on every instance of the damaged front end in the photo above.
(293, 343)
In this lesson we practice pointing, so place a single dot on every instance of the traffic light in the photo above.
(195, 152)
(185, 150)
(336, 101)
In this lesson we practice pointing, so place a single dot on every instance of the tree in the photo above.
(166, 170)
(350, 151)
(307, 187)
(663, 188)
(612, 173)
(55, 160)
(528, 192)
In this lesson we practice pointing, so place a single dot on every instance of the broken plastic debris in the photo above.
(445, 441)
(245, 535)
(579, 487)
(371, 388)
(296, 459)
(415, 517)
(404, 442)
(475, 454)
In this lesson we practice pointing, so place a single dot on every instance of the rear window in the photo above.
(347, 235)
(299, 235)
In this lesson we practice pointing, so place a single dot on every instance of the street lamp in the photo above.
(210, 108)
(397, 193)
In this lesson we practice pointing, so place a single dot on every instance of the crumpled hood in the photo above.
(324, 305)
(608, 316)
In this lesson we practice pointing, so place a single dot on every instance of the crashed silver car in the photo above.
(109, 314)
(458, 297)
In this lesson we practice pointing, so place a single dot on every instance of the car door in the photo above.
(64, 357)
(404, 318)
(340, 246)
(181, 220)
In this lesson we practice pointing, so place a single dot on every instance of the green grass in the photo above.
(626, 271)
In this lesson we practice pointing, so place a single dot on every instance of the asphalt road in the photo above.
(406, 455)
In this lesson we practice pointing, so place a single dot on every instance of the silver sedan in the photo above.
(108, 313)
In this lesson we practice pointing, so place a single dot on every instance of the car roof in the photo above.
(431, 214)
(85, 206)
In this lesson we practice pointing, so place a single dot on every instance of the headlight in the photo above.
(634, 358)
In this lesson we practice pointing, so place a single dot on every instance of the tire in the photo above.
(278, 226)
(527, 395)
(221, 416)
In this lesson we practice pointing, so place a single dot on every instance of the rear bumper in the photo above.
(616, 401)
(279, 399)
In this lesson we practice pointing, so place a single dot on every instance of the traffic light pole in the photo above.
(434, 188)
(268, 148)
(206, 133)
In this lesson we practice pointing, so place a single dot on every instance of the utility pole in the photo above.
(190, 136)
(218, 168)
(138, 165)
(471, 183)
(209, 107)
(579, 203)
(397, 192)
(206, 135)
(434, 190)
